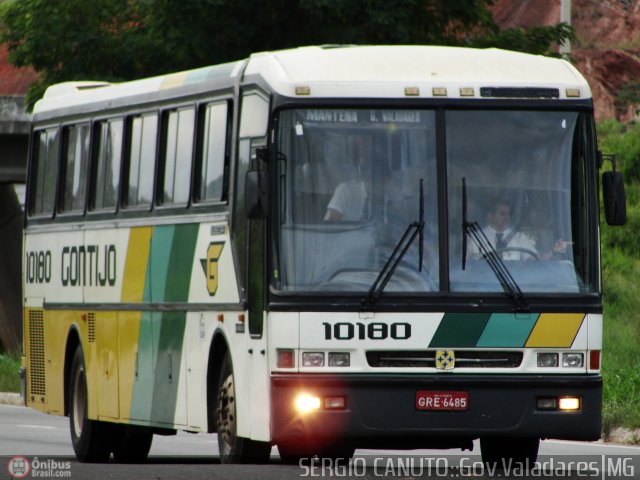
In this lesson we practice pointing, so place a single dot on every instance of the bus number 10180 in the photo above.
(371, 331)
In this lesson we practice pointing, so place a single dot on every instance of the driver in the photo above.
(508, 243)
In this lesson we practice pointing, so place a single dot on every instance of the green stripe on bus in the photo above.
(142, 398)
(172, 324)
(160, 343)
(508, 330)
(181, 263)
(161, 251)
(459, 330)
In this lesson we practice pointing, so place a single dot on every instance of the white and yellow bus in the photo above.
(291, 250)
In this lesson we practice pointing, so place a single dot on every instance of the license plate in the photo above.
(442, 401)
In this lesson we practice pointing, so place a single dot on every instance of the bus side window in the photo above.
(106, 174)
(46, 148)
(75, 166)
(142, 137)
(213, 153)
(179, 126)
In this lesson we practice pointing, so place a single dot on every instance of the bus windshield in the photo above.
(349, 186)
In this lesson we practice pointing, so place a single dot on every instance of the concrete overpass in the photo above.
(15, 124)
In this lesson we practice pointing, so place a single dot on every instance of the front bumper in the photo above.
(380, 409)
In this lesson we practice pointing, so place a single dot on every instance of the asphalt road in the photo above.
(43, 440)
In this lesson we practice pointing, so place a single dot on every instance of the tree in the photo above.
(127, 39)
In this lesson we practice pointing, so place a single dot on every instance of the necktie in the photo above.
(499, 241)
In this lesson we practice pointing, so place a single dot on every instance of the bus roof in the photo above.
(393, 71)
(360, 71)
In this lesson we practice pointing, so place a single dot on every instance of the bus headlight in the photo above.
(306, 403)
(572, 360)
(339, 359)
(313, 359)
(569, 403)
(547, 359)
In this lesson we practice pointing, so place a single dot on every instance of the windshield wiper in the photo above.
(489, 254)
(413, 230)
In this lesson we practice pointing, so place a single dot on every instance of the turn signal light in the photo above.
(285, 358)
(547, 404)
(334, 403)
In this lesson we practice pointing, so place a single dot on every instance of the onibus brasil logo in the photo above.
(20, 467)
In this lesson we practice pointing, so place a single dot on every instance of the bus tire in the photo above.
(132, 444)
(234, 449)
(498, 452)
(91, 439)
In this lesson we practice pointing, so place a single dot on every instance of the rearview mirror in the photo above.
(614, 198)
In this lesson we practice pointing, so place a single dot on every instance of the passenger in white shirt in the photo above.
(348, 201)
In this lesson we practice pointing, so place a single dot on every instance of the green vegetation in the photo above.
(9, 378)
(620, 274)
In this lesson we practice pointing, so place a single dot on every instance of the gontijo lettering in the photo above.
(88, 265)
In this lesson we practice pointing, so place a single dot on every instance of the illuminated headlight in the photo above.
(313, 359)
(569, 403)
(307, 403)
(339, 359)
(547, 359)
(572, 360)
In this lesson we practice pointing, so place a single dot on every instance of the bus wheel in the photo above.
(498, 452)
(234, 449)
(91, 439)
(131, 444)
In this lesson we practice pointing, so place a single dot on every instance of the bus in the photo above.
(291, 250)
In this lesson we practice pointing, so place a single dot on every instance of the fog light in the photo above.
(572, 360)
(339, 359)
(306, 403)
(547, 359)
(334, 403)
(313, 359)
(547, 404)
(569, 403)
(285, 358)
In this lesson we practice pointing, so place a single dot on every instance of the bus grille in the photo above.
(427, 358)
(36, 352)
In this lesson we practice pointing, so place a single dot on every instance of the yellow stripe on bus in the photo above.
(135, 270)
(555, 330)
(128, 334)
